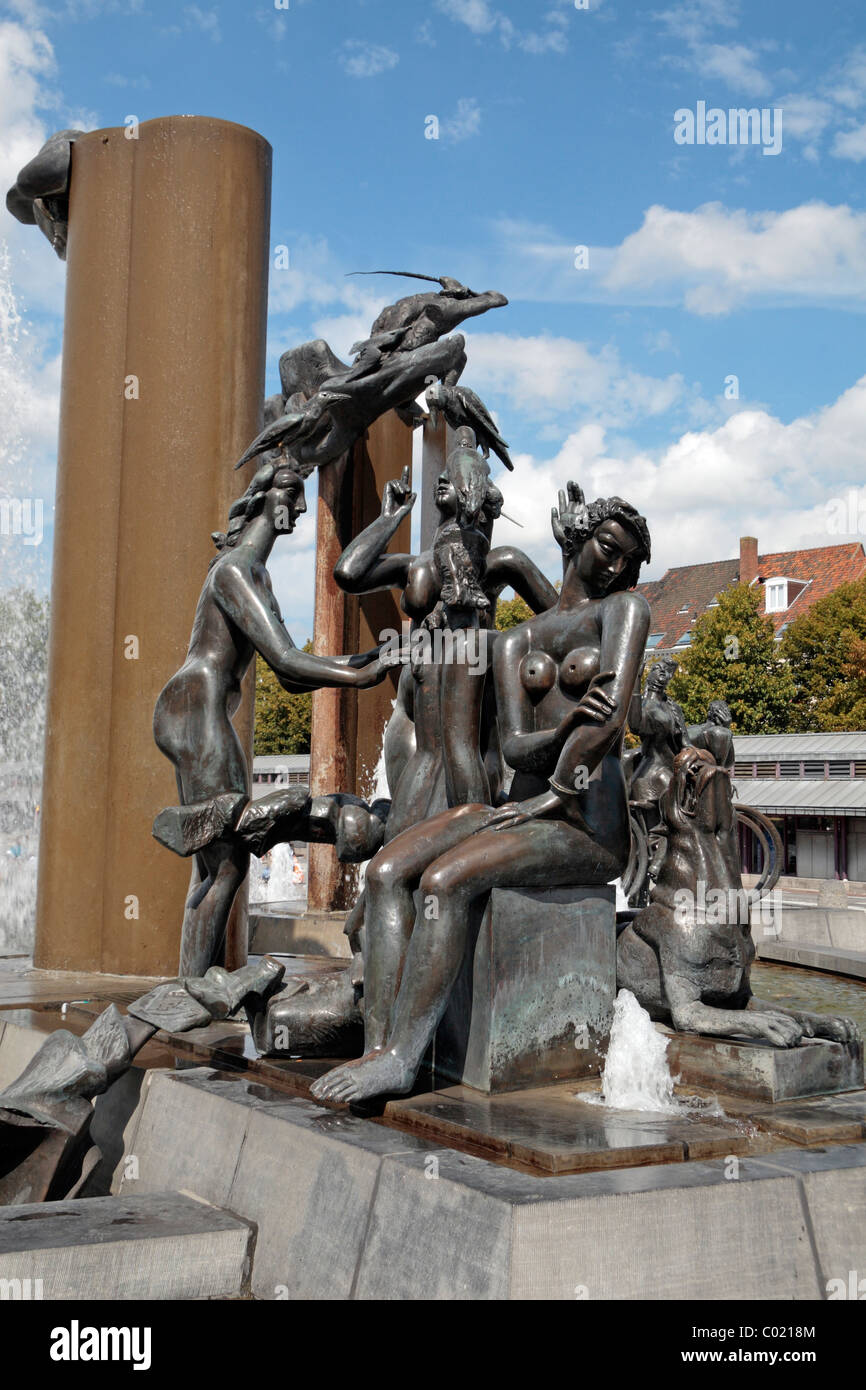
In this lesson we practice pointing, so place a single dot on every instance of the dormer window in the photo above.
(776, 595)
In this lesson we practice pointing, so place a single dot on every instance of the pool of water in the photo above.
(810, 989)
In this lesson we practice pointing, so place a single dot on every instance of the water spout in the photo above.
(636, 1073)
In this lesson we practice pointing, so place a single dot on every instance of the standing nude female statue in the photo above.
(237, 616)
(438, 743)
(563, 682)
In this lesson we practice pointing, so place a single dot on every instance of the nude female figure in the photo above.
(237, 616)
(439, 743)
(660, 724)
(563, 681)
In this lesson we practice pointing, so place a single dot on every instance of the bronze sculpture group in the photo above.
(511, 775)
(545, 718)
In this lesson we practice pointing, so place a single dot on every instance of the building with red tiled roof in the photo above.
(790, 582)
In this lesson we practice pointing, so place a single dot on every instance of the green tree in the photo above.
(282, 720)
(511, 611)
(734, 656)
(826, 648)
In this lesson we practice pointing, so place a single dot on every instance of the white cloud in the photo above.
(738, 65)
(709, 260)
(805, 118)
(362, 59)
(752, 475)
(546, 376)
(483, 19)
(809, 113)
(117, 79)
(735, 64)
(714, 259)
(320, 295)
(848, 84)
(31, 278)
(465, 122)
(850, 144)
(292, 568)
(693, 21)
(477, 15)
(205, 20)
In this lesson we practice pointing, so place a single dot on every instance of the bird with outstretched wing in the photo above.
(462, 406)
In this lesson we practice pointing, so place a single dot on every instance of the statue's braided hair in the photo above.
(274, 473)
(585, 521)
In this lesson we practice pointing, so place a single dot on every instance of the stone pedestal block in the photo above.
(350, 1209)
(163, 1245)
(534, 999)
(740, 1067)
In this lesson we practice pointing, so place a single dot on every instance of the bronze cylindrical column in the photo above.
(162, 388)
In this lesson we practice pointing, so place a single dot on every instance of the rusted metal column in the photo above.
(163, 379)
(385, 453)
(436, 442)
(347, 725)
(334, 722)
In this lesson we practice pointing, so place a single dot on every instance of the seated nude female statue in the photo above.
(237, 616)
(563, 682)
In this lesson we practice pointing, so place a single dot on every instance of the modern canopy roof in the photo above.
(804, 797)
(782, 747)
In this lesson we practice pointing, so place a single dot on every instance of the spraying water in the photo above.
(376, 789)
(274, 879)
(23, 645)
(636, 1073)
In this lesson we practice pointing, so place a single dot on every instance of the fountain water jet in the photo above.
(23, 645)
(636, 1074)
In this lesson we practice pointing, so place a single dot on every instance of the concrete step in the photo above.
(350, 1209)
(814, 957)
(160, 1245)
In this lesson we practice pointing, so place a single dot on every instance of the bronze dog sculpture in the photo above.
(687, 956)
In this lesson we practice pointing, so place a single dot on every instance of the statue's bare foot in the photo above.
(374, 1074)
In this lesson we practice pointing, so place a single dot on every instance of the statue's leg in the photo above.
(538, 853)
(392, 878)
(222, 868)
(461, 702)
(690, 1015)
(638, 970)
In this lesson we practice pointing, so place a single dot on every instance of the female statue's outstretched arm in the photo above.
(509, 567)
(298, 671)
(365, 565)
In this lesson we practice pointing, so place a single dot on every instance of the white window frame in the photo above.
(777, 587)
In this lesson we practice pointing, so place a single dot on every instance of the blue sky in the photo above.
(556, 129)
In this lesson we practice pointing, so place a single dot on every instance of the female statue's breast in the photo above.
(578, 668)
(537, 673)
(421, 593)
